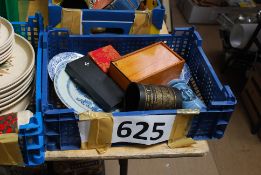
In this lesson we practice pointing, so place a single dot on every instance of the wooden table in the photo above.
(132, 152)
(124, 153)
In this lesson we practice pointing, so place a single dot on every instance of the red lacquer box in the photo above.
(99, 4)
(103, 57)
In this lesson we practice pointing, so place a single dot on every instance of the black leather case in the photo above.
(95, 83)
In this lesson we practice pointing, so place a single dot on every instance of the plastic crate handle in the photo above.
(230, 98)
(188, 32)
(121, 27)
(230, 94)
(36, 123)
(158, 14)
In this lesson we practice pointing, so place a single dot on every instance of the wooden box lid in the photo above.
(156, 61)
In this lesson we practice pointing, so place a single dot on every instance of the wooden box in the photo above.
(155, 64)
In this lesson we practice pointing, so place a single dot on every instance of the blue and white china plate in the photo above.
(185, 74)
(57, 60)
(189, 98)
(70, 94)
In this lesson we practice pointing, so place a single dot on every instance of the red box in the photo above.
(8, 123)
(103, 57)
(99, 4)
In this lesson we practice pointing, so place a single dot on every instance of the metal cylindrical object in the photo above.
(151, 97)
(241, 34)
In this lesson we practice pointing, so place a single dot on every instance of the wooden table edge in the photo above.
(131, 152)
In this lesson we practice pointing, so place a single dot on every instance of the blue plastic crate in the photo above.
(209, 124)
(61, 131)
(31, 135)
(31, 141)
(120, 19)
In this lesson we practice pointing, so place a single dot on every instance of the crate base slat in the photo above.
(158, 151)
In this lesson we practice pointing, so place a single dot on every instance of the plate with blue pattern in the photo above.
(70, 94)
(59, 59)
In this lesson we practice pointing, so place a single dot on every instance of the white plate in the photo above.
(19, 66)
(59, 59)
(7, 47)
(20, 105)
(14, 99)
(6, 105)
(70, 94)
(6, 55)
(11, 97)
(2, 61)
(23, 117)
(6, 32)
(4, 94)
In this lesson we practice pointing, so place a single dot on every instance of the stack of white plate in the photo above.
(6, 40)
(17, 59)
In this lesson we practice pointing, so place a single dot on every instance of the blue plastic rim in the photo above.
(120, 19)
(209, 124)
(31, 135)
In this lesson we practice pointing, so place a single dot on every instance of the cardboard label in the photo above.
(145, 130)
